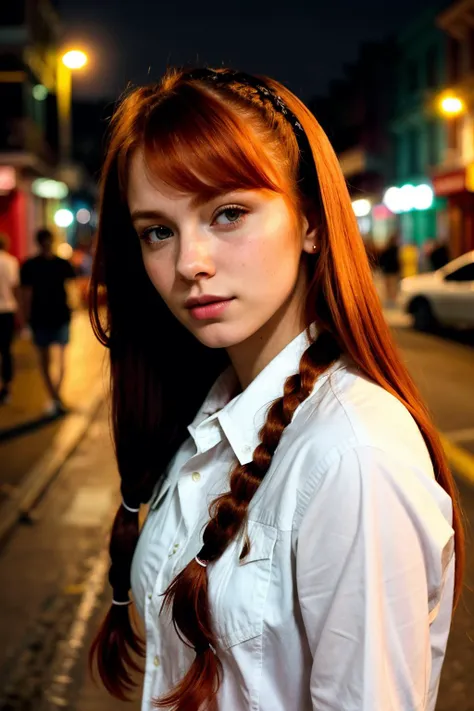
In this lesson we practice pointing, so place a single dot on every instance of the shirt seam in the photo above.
(315, 479)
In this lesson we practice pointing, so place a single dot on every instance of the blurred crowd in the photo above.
(389, 263)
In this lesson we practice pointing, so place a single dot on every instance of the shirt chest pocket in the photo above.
(238, 589)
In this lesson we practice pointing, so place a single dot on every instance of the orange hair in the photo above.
(207, 140)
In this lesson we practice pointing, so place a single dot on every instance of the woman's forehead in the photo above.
(144, 186)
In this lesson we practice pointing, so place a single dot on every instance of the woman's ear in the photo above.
(310, 232)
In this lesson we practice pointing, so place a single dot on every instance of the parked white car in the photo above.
(444, 297)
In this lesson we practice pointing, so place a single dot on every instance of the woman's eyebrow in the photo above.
(198, 201)
(146, 215)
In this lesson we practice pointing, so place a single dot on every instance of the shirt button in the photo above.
(156, 661)
(150, 596)
(175, 550)
(195, 476)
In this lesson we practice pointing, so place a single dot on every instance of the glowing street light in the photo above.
(65, 65)
(452, 105)
(74, 59)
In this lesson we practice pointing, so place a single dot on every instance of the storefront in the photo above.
(26, 206)
(457, 186)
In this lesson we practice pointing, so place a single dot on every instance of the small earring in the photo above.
(314, 248)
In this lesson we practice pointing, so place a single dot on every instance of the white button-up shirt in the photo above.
(344, 602)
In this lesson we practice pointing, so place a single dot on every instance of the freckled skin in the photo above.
(257, 259)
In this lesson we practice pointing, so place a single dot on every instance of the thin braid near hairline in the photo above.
(187, 595)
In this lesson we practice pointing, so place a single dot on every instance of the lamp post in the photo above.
(67, 63)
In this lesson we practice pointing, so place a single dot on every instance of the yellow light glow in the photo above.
(75, 59)
(452, 105)
(65, 250)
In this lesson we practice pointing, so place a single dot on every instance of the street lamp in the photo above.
(451, 105)
(74, 59)
(67, 62)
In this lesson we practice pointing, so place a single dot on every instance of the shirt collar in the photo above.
(240, 418)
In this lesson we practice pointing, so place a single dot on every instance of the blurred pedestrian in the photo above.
(372, 253)
(43, 280)
(439, 254)
(9, 283)
(389, 262)
(299, 550)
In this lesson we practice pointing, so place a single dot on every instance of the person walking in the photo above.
(9, 284)
(389, 263)
(43, 281)
(303, 544)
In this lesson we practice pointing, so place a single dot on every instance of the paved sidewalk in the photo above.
(32, 446)
(85, 363)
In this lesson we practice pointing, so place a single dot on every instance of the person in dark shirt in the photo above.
(43, 281)
(390, 267)
(439, 255)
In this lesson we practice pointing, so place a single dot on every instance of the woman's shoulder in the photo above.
(349, 410)
(347, 419)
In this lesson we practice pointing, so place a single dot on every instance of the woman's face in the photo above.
(243, 247)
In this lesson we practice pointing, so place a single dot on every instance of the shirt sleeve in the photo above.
(373, 548)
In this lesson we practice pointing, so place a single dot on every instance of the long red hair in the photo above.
(207, 140)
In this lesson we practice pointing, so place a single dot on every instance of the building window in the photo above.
(432, 68)
(413, 146)
(432, 141)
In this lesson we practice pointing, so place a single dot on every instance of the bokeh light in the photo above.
(83, 216)
(63, 218)
(64, 250)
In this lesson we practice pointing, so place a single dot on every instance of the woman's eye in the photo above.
(233, 215)
(154, 235)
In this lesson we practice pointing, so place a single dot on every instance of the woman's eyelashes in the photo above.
(233, 216)
(237, 215)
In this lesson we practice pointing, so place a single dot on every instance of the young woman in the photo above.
(299, 550)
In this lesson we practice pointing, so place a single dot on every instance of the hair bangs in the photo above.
(197, 144)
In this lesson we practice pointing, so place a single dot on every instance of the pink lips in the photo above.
(210, 310)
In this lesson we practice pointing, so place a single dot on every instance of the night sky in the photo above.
(304, 47)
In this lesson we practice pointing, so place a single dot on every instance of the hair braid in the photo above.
(187, 595)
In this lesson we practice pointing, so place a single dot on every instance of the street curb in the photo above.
(460, 460)
(41, 475)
